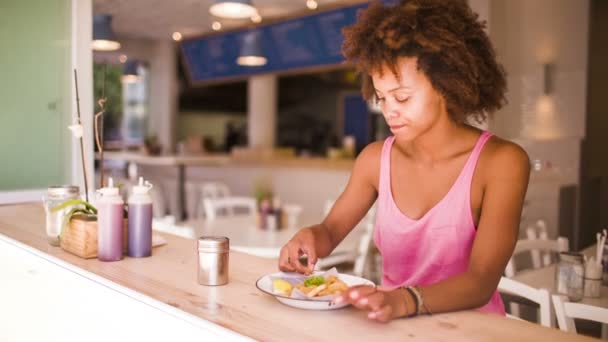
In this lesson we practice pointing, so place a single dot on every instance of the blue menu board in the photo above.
(305, 42)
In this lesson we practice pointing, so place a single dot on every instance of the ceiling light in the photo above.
(130, 73)
(103, 36)
(176, 36)
(311, 4)
(216, 26)
(251, 53)
(234, 9)
(256, 18)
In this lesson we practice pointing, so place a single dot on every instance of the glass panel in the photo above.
(135, 115)
(34, 93)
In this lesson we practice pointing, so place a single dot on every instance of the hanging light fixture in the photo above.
(129, 71)
(233, 9)
(251, 50)
(312, 4)
(103, 36)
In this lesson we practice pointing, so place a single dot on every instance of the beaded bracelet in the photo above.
(417, 298)
(424, 305)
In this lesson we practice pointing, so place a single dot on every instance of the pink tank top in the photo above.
(436, 246)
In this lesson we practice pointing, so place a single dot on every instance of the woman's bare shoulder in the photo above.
(504, 157)
(367, 163)
(372, 150)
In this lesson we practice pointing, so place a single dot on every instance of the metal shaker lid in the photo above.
(213, 244)
(571, 257)
(63, 190)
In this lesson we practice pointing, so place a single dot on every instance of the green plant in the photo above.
(113, 90)
(80, 207)
(262, 191)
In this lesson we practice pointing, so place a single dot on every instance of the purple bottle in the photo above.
(140, 220)
(110, 207)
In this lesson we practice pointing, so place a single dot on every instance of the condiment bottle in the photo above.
(110, 208)
(140, 220)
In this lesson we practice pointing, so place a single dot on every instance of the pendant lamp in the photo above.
(129, 72)
(103, 36)
(251, 53)
(233, 9)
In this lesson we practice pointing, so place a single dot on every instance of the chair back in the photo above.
(361, 256)
(538, 296)
(229, 206)
(213, 189)
(536, 243)
(566, 312)
(363, 252)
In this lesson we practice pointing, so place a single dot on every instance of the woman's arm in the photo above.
(357, 198)
(352, 205)
(506, 180)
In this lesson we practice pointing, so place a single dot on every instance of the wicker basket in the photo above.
(80, 237)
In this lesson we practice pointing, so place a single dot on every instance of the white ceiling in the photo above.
(158, 19)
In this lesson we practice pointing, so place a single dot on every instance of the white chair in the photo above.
(539, 296)
(566, 312)
(359, 257)
(363, 255)
(229, 206)
(210, 190)
(292, 212)
(536, 243)
(171, 189)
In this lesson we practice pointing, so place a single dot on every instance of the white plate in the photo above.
(264, 284)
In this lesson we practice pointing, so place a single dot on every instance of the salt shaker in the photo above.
(213, 260)
(569, 275)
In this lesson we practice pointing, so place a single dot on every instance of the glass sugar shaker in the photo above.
(569, 275)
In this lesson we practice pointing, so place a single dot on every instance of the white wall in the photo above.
(528, 34)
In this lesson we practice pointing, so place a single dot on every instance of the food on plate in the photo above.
(318, 286)
(282, 287)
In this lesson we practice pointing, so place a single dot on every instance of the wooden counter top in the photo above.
(218, 160)
(169, 276)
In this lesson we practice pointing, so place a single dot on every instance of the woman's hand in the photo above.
(301, 245)
(383, 304)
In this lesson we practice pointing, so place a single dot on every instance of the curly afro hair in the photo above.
(449, 43)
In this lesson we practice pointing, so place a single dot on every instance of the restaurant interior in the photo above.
(241, 119)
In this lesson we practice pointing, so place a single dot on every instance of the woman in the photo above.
(449, 196)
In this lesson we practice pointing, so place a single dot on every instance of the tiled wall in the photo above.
(549, 125)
